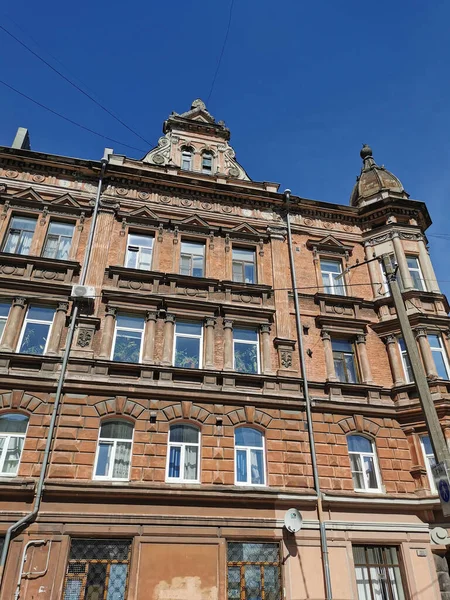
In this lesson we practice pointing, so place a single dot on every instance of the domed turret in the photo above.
(373, 181)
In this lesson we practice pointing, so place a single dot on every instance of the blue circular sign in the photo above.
(444, 490)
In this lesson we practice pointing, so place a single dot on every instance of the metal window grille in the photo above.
(97, 570)
(378, 573)
(254, 571)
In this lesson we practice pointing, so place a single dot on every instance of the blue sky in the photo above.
(301, 85)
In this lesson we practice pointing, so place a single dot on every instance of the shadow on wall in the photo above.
(184, 588)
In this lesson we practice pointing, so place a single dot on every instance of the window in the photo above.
(188, 345)
(59, 240)
(245, 350)
(378, 573)
(36, 330)
(97, 569)
(430, 459)
(4, 312)
(439, 355)
(345, 361)
(127, 344)
(409, 377)
(332, 277)
(183, 455)
(13, 428)
(415, 272)
(363, 462)
(244, 265)
(249, 456)
(193, 259)
(19, 236)
(254, 571)
(139, 251)
(186, 159)
(114, 450)
(207, 163)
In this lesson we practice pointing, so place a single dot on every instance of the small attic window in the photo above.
(187, 155)
(207, 163)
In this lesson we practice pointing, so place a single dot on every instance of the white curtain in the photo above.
(122, 460)
(190, 462)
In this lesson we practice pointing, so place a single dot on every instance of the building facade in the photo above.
(181, 437)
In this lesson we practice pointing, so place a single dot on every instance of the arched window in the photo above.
(207, 163)
(364, 464)
(187, 155)
(183, 454)
(249, 457)
(113, 457)
(13, 428)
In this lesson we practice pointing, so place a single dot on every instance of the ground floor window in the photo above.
(254, 571)
(97, 570)
(378, 573)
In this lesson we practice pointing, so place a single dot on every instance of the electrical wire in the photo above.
(104, 108)
(54, 112)
(222, 52)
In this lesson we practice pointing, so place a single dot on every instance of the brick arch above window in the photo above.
(188, 411)
(359, 424)
(249, 415)
(119, 405)
(20, 399)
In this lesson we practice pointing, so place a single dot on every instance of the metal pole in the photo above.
(431, 417)
(309, 421)
(70, 333)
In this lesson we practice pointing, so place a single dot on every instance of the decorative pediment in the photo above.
(246, 229)
(144, 213)
(194, 221)
(29, 194)
(329, 245)
(198, 112)
(66, 200)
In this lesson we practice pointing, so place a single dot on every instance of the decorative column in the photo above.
(329, 361)
(394, 359)
(228, 345)
(425, 350)
(363, 358)
(13, 324)
(169, 329)
(401, 261)
(108, 332)
(59, 322)
(376, 277)
(149, 337)
(431, 283)
(210, 323)
(266, 362)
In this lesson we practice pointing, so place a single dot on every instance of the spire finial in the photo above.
(366, 151)
(198, 104)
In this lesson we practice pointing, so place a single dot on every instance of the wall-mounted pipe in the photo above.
(24, 558)
(309, 421)
(30, 517)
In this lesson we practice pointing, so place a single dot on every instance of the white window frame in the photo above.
(418, 270)
(10, 228)
(258, 351)
(428, 464)
(138, 260)
(7, 436)
(208, 153)
(185, 152)
(243, 262)
(403, 357)
(114, 441)
(122, 328)
(5, 319)
(187, 335)
(183, 445)
(190, 255)
(59, 236)
(376, 466)
(330, 276)
(248, 455)
(441, 349)
(39, 322)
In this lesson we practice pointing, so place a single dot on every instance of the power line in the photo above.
(222, 51)
(74, 85)
(67, 118)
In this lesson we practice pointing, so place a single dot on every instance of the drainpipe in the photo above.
(30, 517)
(298, 322)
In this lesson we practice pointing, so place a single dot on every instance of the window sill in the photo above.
(40, 269)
